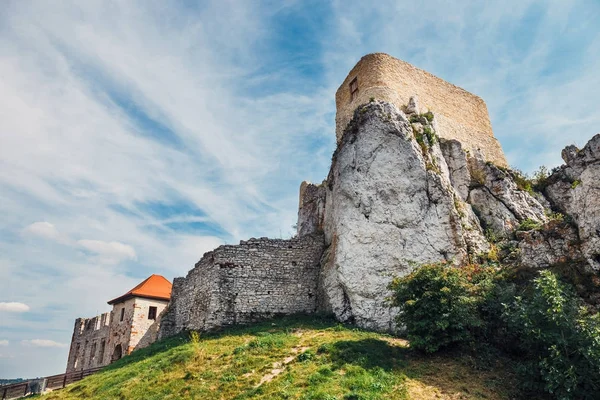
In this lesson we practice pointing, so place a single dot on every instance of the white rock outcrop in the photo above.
(390, 206)
(574, 189)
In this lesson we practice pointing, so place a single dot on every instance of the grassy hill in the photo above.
(292, 358)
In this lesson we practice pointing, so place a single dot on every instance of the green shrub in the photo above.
(306, 356)
(555, 216)
(540, 178)
(529, 225)
(560, 340)
(429, 116)
(439, 304)
(575, 183)
(522, 181)
(492, 236)
(195, 338)
(431, 137)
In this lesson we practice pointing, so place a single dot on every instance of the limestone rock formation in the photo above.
(556, 243)
(574, 189)
(390, 206)
(501, 205)
(397, 196)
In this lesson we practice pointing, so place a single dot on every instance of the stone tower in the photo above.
(460, 115)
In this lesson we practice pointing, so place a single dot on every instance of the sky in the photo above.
(137, 135)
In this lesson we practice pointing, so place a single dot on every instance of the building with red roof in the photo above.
(132, 324)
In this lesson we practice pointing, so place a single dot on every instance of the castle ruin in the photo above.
(132, 324)
(417, 178)
(386, 205)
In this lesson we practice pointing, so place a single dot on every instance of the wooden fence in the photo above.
(53, 382)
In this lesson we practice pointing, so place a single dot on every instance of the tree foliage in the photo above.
(559, 338)
(438, 304)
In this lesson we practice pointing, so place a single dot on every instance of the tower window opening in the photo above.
(152, 313)
(122, 313)
(353, 88)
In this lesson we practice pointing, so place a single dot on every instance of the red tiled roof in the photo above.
(154, 287)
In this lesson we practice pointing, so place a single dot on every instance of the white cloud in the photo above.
(109, 252)
(45, 230)
(13, 307)
(104, 252)
(3, 342)
(42, 343)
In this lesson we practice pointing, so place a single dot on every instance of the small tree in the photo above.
(560, 340)
(439, 304)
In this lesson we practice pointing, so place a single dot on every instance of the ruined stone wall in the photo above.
(94, 339)
(88, 343)
(120, 331)
(460, 114)
(311, 210)
(254, 280)
(145, 330)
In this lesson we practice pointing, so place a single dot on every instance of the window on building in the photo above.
(122, 314)
(76, 362)
(152, 313)
(353, 88)
(92, 354)
(102, 348)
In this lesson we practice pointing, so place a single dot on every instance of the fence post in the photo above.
(65, 381)
(26, 387)
(4, 393)
(81, 375)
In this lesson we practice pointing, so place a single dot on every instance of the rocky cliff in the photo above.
(397, 196)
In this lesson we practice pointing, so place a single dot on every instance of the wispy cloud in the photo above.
(13, 307)
(103, 252)
(45, 230)
(3, 342)
(109, 252)
(42, 343)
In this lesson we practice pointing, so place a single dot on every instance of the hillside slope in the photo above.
(291, 358)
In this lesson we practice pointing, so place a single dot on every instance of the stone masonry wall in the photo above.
(89, 343)
(254, 280)
(120, 331)
(460, 115)
(94, 339)
(144, 330)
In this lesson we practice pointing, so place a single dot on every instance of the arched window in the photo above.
(118, 353)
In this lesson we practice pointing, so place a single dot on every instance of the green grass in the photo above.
(291, 358)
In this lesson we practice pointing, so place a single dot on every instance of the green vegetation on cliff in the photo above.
(292, 358)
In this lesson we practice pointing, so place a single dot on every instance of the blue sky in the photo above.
(135, 136)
